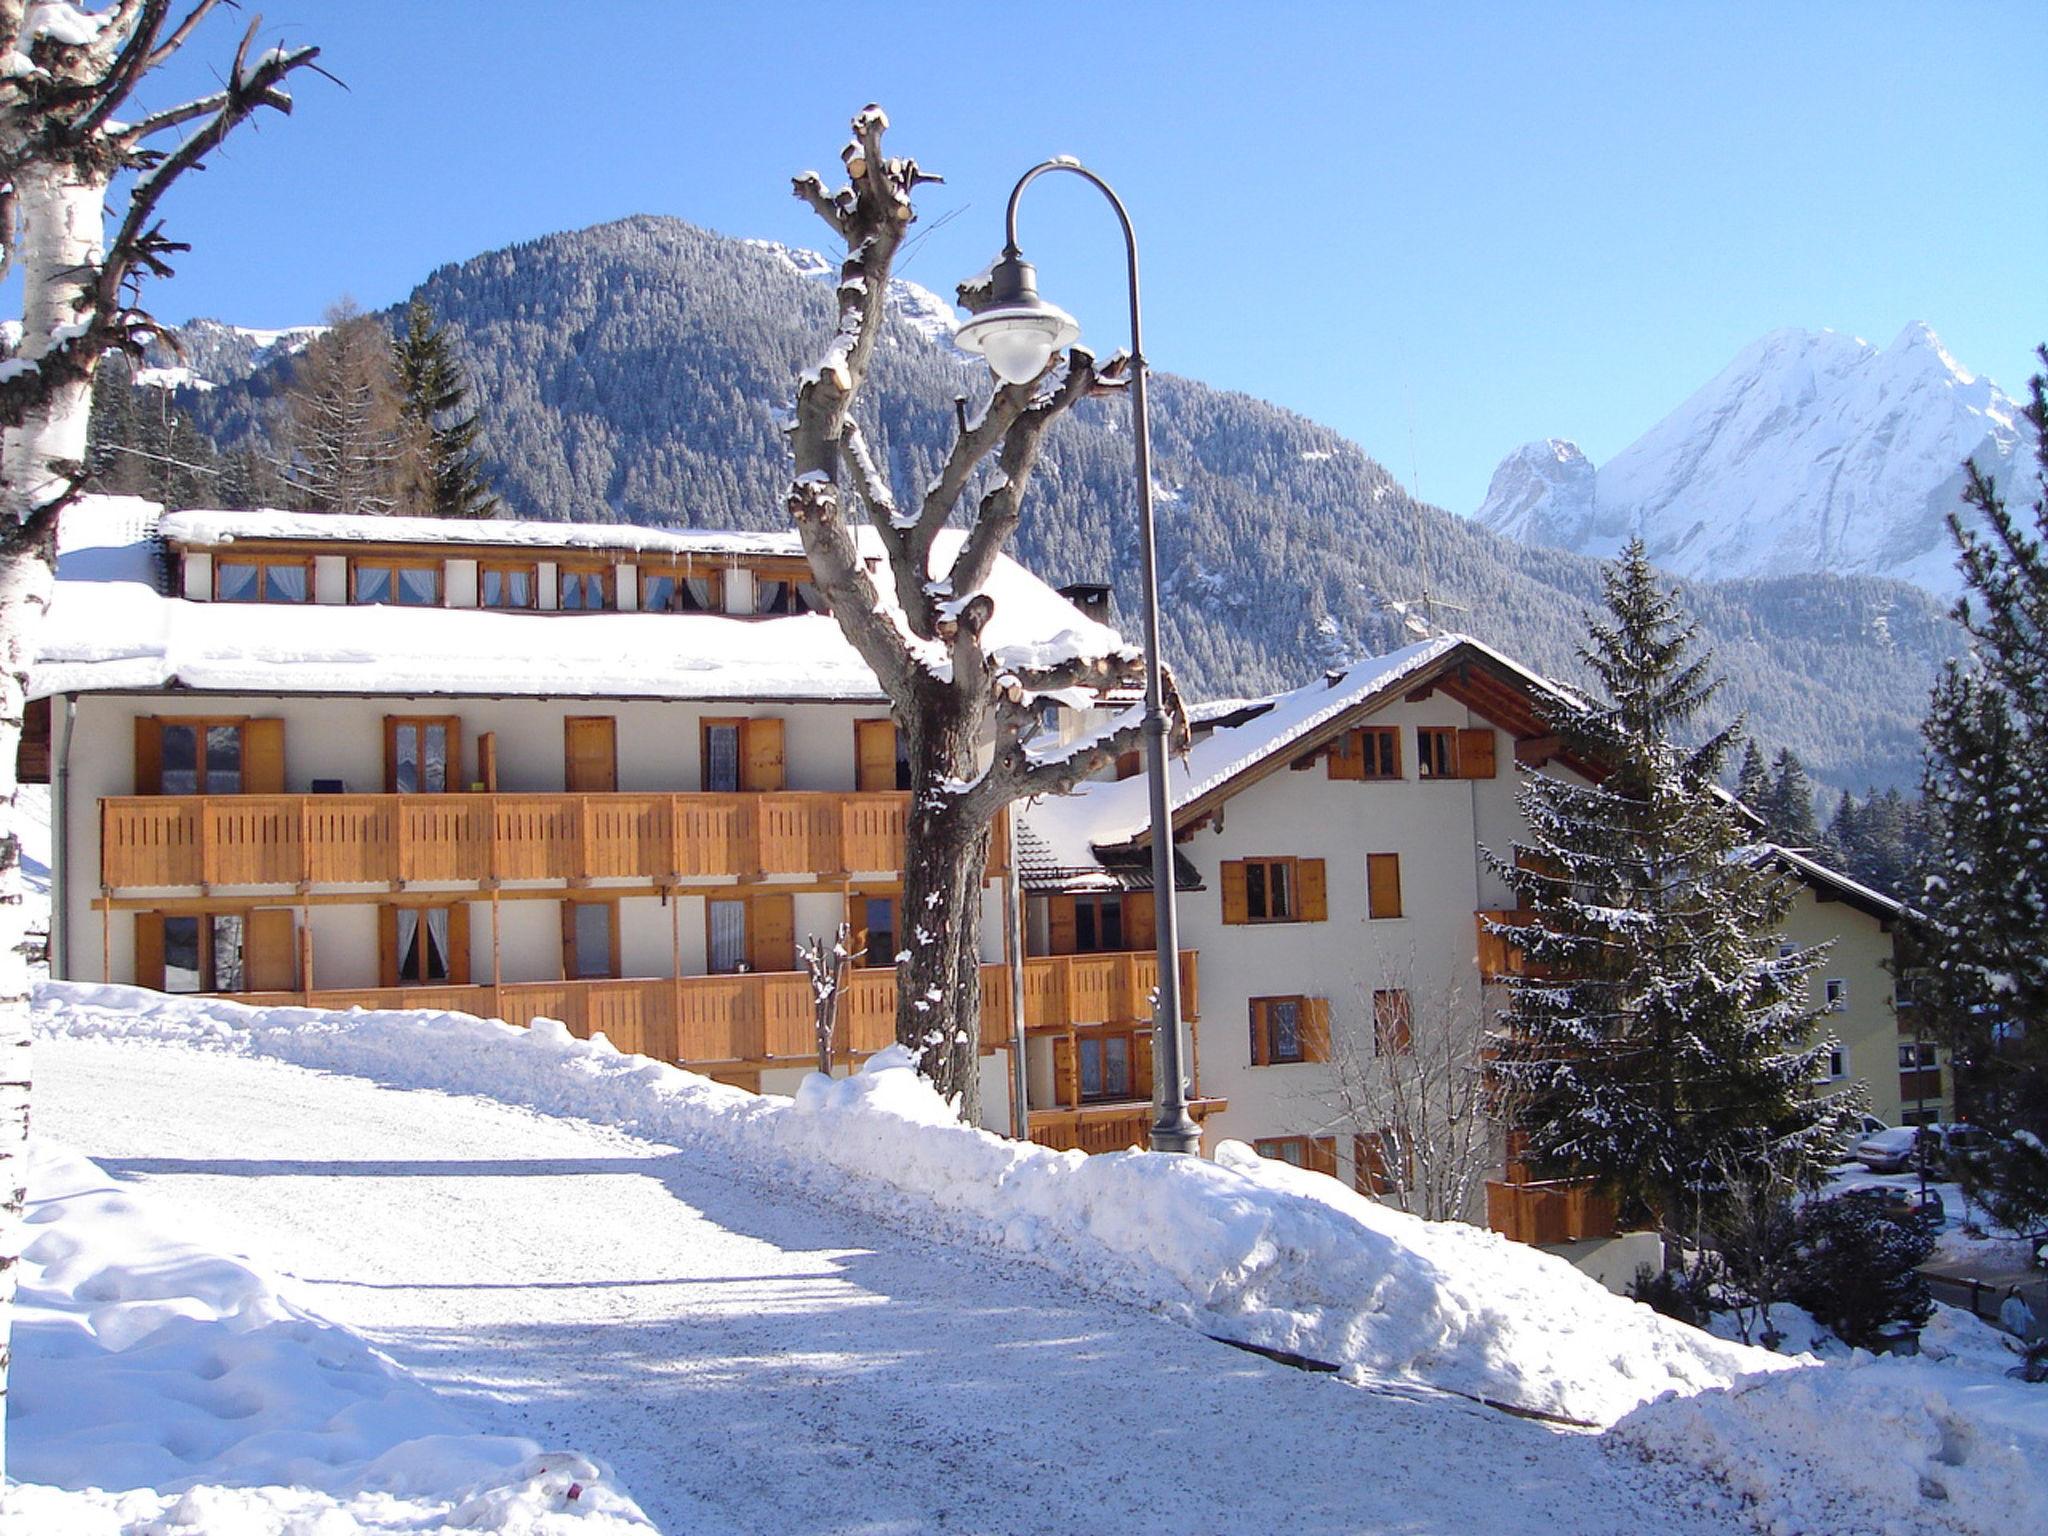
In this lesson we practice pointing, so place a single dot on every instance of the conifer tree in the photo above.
(341, 425)
(446, 467)
(1789, 803)
(1658, 1036)
(1985, 896)
(1753, 782)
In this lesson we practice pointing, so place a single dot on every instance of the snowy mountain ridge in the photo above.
(1811, 451)
(206, 354)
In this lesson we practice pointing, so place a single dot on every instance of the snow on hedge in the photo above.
(182, 1381)
(1241, 1248)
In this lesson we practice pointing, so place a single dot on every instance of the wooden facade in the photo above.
(1553, 1211)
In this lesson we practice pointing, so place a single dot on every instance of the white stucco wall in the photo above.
(1866, 1025)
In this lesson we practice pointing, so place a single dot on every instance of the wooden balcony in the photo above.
(1498, 959)
(1060, 990)
(1557, 1211)
(756, 1020)
(209, 841)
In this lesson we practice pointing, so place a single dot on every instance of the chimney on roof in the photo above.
(1091, 597)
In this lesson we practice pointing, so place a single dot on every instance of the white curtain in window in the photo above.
(285, 584)
(438, 968)
(722, 759)
(408, 944)
(728, 935)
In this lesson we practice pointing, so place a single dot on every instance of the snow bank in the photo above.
(1868, 1445)
(1240, 1248)
(146, 1362)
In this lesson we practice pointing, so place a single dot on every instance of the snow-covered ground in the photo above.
(776, 1315)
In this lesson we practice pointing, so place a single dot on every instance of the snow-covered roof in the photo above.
(1810, 869)
(1103, 815)
(216, 528)
(109, 628)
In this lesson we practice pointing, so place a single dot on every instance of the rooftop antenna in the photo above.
(1424, 626)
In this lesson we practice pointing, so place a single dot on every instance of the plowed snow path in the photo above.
(751, 1361)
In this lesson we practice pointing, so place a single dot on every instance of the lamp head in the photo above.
(1018, 332)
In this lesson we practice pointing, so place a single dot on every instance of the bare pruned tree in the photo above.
(63, 147)
(968, 710)
(1413, 1089)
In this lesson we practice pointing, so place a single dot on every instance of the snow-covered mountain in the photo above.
(1811, 451)
(205, 354)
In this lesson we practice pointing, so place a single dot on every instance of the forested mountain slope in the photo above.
(639, 371)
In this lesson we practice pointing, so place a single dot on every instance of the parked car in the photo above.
(1859, 1130)
(1909, 1146)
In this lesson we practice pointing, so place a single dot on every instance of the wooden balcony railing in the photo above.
(1498, 958)
(151, 842)
(1105, 1127)
(760, 1019)
(1101, 989)
(1551, 1212)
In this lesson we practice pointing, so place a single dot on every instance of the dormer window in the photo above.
(585, 589)
(681, 592)
(239, 579)
(402, 583)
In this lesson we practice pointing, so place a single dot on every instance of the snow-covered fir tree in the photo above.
(1658, 1035)
(1985, 892)
(446, 473)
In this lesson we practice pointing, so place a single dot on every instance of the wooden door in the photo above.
(771, 933)
(875, 755)
(761, 765)
(269, 951)
(590, 746)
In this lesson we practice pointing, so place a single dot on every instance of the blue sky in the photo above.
(1443, 230)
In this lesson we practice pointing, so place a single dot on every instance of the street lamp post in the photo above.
(1018, 332)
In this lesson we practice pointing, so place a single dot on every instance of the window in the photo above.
(424, 945)
(202, 758)
(242, 580)
(1105, 1066)
(1383, 884)
(1372, 752)
(202, 953)
(877, 933)
(742, 755)
(1436, 752)
(425, 952)
(1928, 1116)
(1917, 1057)
(584, 589)
(728, 939)
(405, 583)
(1098, 924)
(1289, 1029)
(1787, 949)
(508, 585)
(422, 754)
(1393, 1023)
(1836, 1066)
(779, 596)
(1380, 1164)
(1318, 1154)
(590, 939)
(1837, 995)
(1274, 890)
(681, 592)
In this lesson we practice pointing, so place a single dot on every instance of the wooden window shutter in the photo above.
(761, 756)
(149, 949)
(569, 966)
(149, 757)
(1475, 753)
(1315, 1029)
(771, 933)
(1347, 756)
(387, 946)
(487, 761)
(590, 745)
(458, 943)
(263, 757)
(1060, 925)
(874, 751)
(1262, 1035)
(1141, 1065)
(1311, 891)
(1066, 1072)
(1141, 931)
(1235, 907)
(270, 950)
(1383, 884)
